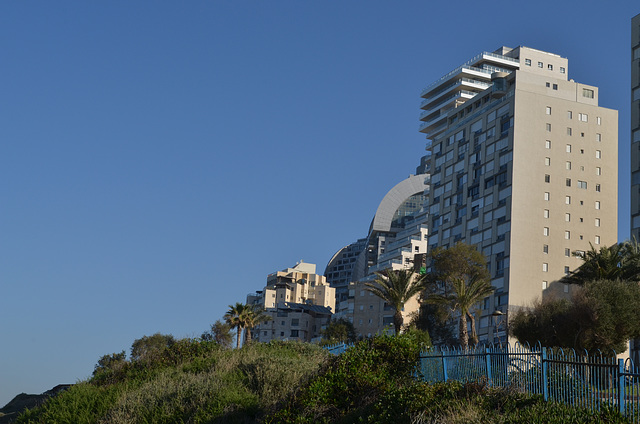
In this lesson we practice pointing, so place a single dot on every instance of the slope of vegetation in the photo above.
(190, 381)
(375, 381)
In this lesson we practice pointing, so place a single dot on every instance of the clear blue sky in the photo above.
(159, 159)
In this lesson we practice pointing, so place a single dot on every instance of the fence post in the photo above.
(621, 387)
(444, 366)
(488, 358)
(545, 388)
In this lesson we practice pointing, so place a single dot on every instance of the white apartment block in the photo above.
(524, 166)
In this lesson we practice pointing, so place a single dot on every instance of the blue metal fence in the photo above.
(339, 348)
(578, 379)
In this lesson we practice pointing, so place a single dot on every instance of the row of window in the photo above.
(567, 200)
(527, 62)
(567, 217)
(583, 117)
(567, 235)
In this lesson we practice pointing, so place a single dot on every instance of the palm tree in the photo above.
(464, 294)
(236, 318)
(617, 262)
(396, 288)
(459, 279)
(254, 315)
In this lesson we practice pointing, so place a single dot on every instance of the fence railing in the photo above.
(578, 379)
(338, 349)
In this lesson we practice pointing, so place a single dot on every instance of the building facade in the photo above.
(524, 166)
(299, 302)
(635, 127)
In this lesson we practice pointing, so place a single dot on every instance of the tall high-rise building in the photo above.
(524, 166)
(635, 127)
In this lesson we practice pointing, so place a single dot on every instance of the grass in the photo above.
(373, 382)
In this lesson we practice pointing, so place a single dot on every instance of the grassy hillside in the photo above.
(373, 382)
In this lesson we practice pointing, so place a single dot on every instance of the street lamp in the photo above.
(497, 313)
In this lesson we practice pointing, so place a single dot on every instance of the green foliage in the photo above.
(396, 288)
(149, 347)
(113, 361)
(220, 332)
(548, 322)
(432, 318)
(190, 381)
(602, 315)
(462, 271)
(617, 262)
(339, 331)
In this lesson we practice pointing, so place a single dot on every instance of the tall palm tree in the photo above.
(464, 294)
(254, 315)
(396, 288)
(236, 318)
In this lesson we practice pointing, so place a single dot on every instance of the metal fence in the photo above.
(339, 348)
(578, 379)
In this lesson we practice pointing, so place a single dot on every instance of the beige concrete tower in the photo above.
(635, 127)
(524, 166)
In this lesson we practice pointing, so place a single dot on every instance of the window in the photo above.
(546, 195)
(545, 213)
(568, 131)
(566, 270)
(562, 70)
(567, 252)
(598, 120)
(567, 200)
(598, 170)
(583, 117)
(540, 65)
(527, 62)
(545, 267)
(547, 144)
(582, 134)
(597, 222)
(548, 110)
(597, 239)
(567, 217)
(598, 154)
(597, 204)
(582, 184)
(555, 86)
(545, 284)
(547, 161)
(545, 248)
(598, 187)
(567, 235)
(568, 148)
(547, 178)
(550, 67)
(545, 231)
(548, 127)
(548, 85)
(568, 165)
(568, 182)
(587, 93)
(598, 136)
(569, 114)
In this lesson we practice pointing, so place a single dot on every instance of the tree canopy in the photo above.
(396, 287)
(604, 315)
(459, 279)
(339, 331)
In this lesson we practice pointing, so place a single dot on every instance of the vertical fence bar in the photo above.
(621, 379)
(444, 366)
(545, 375)
(487, 356)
